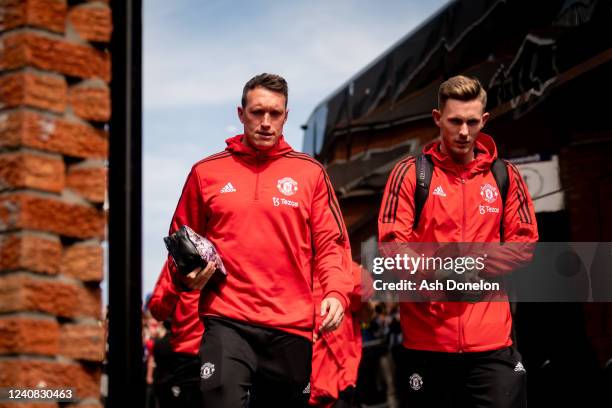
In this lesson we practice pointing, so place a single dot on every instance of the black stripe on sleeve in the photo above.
(397, 177)
(522, 197)
(394, 174)
(331, 201)
(399, 186)
(520, 209)
(215, 156)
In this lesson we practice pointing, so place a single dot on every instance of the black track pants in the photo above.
(250, 366)
(492, 379)
(180, 389)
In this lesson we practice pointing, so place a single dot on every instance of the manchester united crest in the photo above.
(287, 186)
(207, 370)
(488, 193)
(415, 381)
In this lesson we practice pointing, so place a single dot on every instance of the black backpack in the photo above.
(424, 171)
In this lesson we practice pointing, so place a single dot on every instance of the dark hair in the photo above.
(272, 82)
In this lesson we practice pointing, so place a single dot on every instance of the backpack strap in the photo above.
(424, 171)
(500, 173)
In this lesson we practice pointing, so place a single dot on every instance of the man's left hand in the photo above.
(333, 311)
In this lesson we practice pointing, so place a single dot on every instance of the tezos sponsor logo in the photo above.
(283, 201)
(207, 370)
(287, 186)
(483, 209)
(488, 193)
(416, 381)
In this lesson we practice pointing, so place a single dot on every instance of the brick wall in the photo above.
(54, 106)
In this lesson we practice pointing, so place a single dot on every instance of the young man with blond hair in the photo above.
(459, 354)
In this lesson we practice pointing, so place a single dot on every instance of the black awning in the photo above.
(512, 46)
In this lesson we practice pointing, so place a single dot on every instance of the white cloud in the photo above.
(315, 45)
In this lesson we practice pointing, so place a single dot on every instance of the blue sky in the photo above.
(198, 55)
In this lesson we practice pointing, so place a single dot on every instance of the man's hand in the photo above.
(333, 311)
(197, 278)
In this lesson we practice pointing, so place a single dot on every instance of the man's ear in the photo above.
(436, 114)
(286, 116)
(485, 118)
(241, 114)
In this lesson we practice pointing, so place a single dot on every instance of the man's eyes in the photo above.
(459, 122)
(261, 112)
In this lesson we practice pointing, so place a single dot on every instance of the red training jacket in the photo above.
(276, 223)
(455, 216)
(166, 302)
(336, 355)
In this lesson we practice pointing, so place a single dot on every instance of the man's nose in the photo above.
(266, 120)
(463, 130)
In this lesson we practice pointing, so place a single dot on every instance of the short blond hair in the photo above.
(462, 88)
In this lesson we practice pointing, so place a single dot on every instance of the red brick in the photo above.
(26, 211)
(31, 129)
(30, 373)
(82, 342)
(83, 262)
(89, 182)
(25, 293)
(90, 102)
(90, 302)
(27, 170)
(42, 91)
(13, 14)
(47, 14)
(19, 335)
(24, 49)
(30, 252)
(93, 22)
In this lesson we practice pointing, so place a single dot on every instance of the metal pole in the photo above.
(125, 357)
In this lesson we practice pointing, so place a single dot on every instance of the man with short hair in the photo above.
(272, 214)
(459, 354)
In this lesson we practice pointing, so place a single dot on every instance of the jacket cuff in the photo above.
(178, 285)
(337, 295)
